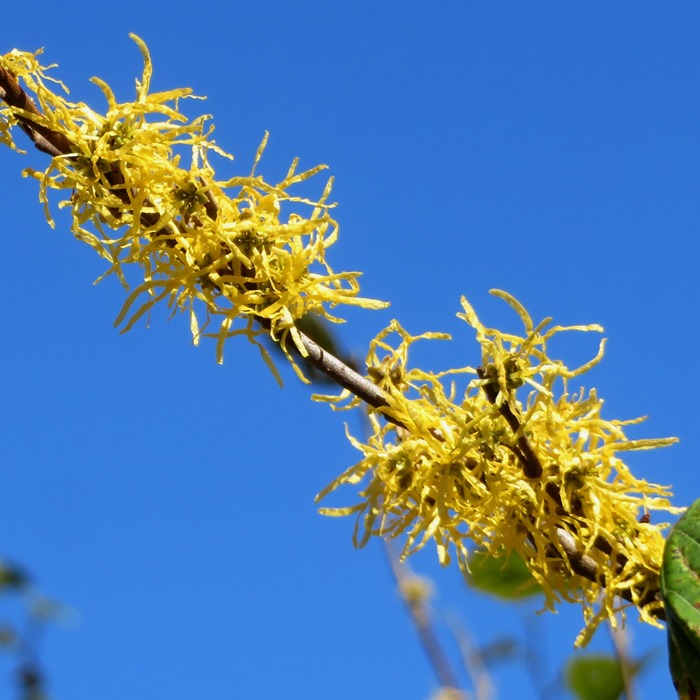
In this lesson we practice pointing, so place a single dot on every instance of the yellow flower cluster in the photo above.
(509, 470)
(219, 246)
(515, 464)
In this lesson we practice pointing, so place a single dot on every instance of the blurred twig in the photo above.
(415, 592)
(474, 663)
(620, 643)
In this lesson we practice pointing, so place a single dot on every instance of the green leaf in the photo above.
(12, 577)
(505, 577)
(595, 677)
(680, 588)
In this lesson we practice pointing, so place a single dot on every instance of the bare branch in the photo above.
(46, 140)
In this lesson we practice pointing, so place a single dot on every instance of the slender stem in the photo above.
(474, 662)
(530, 461)
(619, 641)
(341, 374)
(44, 139)
(417, 609)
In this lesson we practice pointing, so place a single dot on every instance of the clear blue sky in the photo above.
(550, 149)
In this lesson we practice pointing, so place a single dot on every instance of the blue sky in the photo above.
(550, 149)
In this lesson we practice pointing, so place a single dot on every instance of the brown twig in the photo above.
(341, 374)
(532, 467)
(44, 139)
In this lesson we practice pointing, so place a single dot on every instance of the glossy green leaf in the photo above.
(680, 587)
(505, 577)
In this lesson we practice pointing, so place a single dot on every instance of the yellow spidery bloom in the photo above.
(223, 247)
(515, 465)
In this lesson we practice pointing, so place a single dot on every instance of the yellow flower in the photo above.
(517, 464)
(213, 248)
